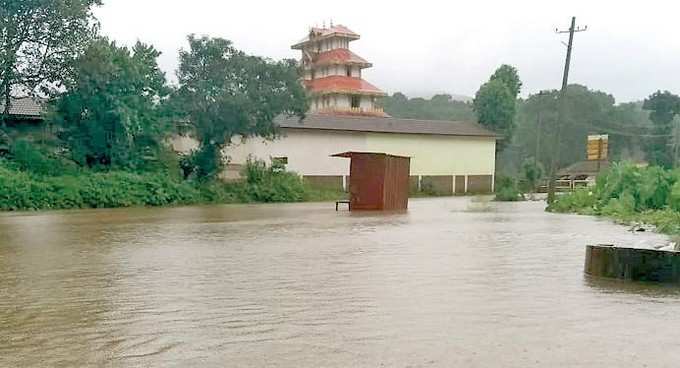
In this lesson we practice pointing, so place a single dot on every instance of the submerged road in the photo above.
(451, 283)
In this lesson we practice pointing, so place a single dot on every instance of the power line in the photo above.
(560, 115)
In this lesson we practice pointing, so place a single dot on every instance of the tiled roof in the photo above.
(25, 107)
(336, 29)
(588, 167)
(340, 56)
(320, 33)
(384, 125)
(342, 84)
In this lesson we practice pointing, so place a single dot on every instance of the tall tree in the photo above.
(112, 111)
(226, 93)
(509, 76)
(39, 40)
(496, 100)
(663, 107)
(495, 106)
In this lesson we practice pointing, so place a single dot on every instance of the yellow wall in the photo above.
(309, 151)
(438, 154)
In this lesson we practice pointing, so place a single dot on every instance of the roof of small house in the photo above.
(384, 125)
(587, 167)
(24, 107)
(349, 154)
(342, 84)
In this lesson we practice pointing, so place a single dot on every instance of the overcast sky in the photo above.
(631, 48)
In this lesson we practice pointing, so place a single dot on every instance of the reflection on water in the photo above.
(449, 283)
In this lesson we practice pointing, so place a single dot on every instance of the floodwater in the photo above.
(451, 283)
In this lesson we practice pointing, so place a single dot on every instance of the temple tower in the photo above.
(332, 74)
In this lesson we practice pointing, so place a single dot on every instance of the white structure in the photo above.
(332, 73)
(446, 157)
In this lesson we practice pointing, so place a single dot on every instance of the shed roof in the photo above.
(349, 154)
(588, 167)
(384, 125)
(25, 107)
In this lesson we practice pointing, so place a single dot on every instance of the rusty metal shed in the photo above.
(378, 181)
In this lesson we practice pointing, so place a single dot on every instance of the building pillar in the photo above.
(466, 184)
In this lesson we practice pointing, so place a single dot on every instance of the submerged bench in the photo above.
(633, 263)
(344, 201)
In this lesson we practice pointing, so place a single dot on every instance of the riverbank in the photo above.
(629, 195)
(24, 190)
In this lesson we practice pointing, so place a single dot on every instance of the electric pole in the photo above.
(561, 110)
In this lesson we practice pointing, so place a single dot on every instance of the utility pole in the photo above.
(562, 110)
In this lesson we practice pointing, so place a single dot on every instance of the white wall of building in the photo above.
(308, 151)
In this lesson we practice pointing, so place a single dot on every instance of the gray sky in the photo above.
(631, 48)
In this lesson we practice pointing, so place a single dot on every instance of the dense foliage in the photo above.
(112, 112)
(587, 112)
(226, 93)
(507, 189)
(32, 180)
(496, 100)
(439, 107)
(663, 107)
(629, 193)
(39, 40)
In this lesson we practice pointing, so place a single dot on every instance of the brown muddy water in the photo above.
(451, 283)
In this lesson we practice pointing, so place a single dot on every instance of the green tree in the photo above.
(587, 112)
(439, 107)
(112, 112)
(226, 93)
(495, 106)
(496, 102)
(509, 76)
(663, 107)
(39, 40)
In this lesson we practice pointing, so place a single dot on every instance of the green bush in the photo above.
(506, 190)
(271, 183)
(581, 201)
(27, 156)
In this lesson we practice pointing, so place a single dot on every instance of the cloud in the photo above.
(424, 47)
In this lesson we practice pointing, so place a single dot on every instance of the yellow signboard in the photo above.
(598, 146)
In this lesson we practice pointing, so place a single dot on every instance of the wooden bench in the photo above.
(344, 201)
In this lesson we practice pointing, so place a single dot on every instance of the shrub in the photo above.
(271, 183)
(532, 172)
(27, 156)
(506, 190)
(581, 201)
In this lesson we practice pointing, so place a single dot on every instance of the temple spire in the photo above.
(332, 73)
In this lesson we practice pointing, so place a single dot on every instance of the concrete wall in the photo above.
(439, 155)
(447, 164)
(632, 264)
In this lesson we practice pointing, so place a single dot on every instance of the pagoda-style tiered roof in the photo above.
(317, 34)
(332, 74)
(340, 57)
(342, 84)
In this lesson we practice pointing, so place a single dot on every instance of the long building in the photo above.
(447, 157)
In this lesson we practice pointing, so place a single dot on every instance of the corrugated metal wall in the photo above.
(379, 182)
(367, 173)
(397, 170)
